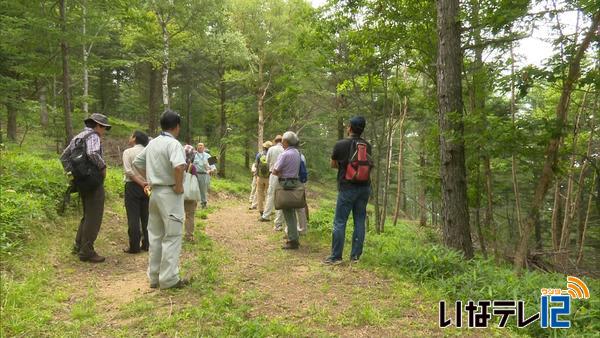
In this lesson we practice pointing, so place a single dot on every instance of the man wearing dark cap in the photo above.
(352, 195)
(92, 197)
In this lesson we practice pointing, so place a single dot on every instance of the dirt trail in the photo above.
(295, 287)
(342, 300)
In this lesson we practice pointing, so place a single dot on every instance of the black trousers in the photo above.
(89, 227)
(136, 204)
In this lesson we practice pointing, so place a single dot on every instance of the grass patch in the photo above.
(411, 253)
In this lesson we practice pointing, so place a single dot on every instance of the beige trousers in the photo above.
(190, 213)
(165, 226)
(262, 185)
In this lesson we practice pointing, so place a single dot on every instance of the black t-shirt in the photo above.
(341, 154)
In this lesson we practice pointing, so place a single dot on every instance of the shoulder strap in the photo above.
(352, 151)
(86, 136)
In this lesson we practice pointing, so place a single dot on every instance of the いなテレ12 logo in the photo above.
(576, 289)
(555, 306)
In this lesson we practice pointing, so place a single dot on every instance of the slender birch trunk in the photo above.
(64, 46)
(513, 157)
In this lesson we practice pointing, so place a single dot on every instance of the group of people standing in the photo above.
(156, 209)
(266, 177)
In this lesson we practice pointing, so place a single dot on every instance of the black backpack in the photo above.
(86, 174)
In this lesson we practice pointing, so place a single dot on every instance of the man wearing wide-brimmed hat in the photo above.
(272, 156)
(92, 194)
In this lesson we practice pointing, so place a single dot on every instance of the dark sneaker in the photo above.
(291, 245)
(144, 248)
(354, 259)
(93, 259)
(332, 261)
(129, 251)
(180, 284)
(252, 208)
(153, 285)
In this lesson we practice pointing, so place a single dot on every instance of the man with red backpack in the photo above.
(352, 157)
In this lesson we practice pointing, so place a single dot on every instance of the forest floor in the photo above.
(243, 285)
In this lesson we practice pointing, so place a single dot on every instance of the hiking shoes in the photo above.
(93, 259)
(332, 261)
(291, 245)
(181, 283)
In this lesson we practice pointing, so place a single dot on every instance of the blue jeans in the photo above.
(353, 199)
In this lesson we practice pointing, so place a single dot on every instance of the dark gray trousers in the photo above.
(136, 204)
(93, 209)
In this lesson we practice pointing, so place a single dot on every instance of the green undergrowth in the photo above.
(239, 189)
(409, 252)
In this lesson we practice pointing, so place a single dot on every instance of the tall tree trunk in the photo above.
(400, 171)
(515, 182)
(489, 209)
(246, 156)
(551, 155)
(86, 81)
(572, 206)
(478, 211)
(478, 95)
(455, 213)
(379, 227)
(585, 223)
(64, 47)
(388, 166)
(43, 106)
(556, 219)
(188, 114)
(339, 103)
(223, 129)
(153, 89)
(260, 98)
(422, 185)
(11, 124)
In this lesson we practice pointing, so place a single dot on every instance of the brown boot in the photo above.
(93, 259)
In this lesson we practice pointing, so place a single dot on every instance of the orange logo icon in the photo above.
(576, 288)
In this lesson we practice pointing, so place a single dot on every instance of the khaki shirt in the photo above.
(160, 157)
(273, 155)
(128, 167)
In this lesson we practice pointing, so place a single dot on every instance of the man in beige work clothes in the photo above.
(272, 156)
(164, 163)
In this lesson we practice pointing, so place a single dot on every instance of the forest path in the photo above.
(243, 284)
(295, 286)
